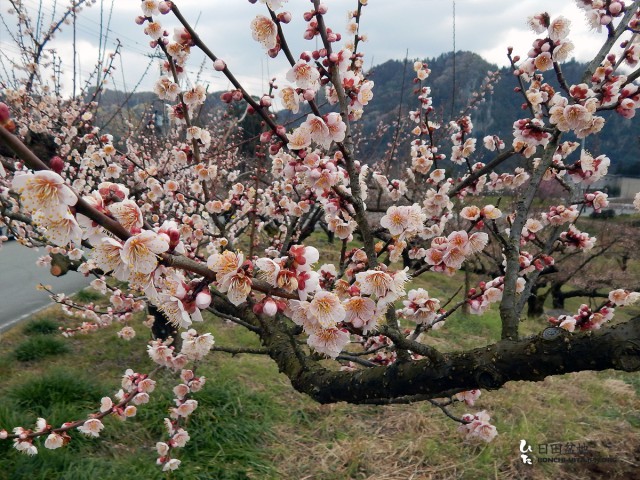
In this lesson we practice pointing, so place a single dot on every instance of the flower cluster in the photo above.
(585, 319)
(478, 427)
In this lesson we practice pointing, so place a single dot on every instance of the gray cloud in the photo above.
(423, 27)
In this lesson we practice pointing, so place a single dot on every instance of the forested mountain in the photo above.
(620, 140)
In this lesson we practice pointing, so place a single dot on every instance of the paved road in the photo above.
(19, 277)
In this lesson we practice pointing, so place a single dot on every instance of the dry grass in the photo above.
(335, 442)
(305, 440)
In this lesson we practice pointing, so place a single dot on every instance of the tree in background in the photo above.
(195, 222)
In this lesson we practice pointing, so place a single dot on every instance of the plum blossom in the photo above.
(300, 138)
(61, 230)
(329, 341)
(420, 307)
(478, 427)
(171, 465)
(25, 446)
(128, 214)
(361, 313)
(337, 128)
(469, 397)
(326, 309)
(150, 8)
(268, 270)
(45, 192)
(403, 221)
(264, 31)
(621, 297)
(140, 251)
(195, 346)
(559, 28)
(386, 286)
(91, 427)
(106, 404)
(127, 333)
(54, 440)
(237, 286)
(106, 255)
(304, 75)
(304, 256)
(290, 99)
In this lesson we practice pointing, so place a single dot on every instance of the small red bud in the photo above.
(56, 164)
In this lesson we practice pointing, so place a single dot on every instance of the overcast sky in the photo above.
(423, 27)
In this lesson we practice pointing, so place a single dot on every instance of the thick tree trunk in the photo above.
(535, 302)
(557, 297)
(554, 351)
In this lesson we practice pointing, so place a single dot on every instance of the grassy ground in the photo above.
(252, 425)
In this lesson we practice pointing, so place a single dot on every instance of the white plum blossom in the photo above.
(140, 251)
(264, 31)
(91, 427)
(54, 440)
(329, 341)
(304, 75)
(45, 192)
(327, 309)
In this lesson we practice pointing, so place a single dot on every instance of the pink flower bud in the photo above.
(284, 17)
(265, 137)
(615, 8)
(56, 164)
(273, 52)
(273, 149)
(140, 20)
(305, 56)
(270, 308)
(237, 95)
(309, 95)
(203, 299)
(174, 237)
(5, 114)
(265, 101)
(165, 7)
(219, 65)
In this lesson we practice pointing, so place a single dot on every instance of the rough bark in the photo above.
(535, 302)
(552, 352)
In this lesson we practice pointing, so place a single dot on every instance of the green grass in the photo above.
(251, 424)
(39, 347)
(58, 386)
(88, 295)
(41, 325)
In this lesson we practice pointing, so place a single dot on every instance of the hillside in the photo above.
(619, 139)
